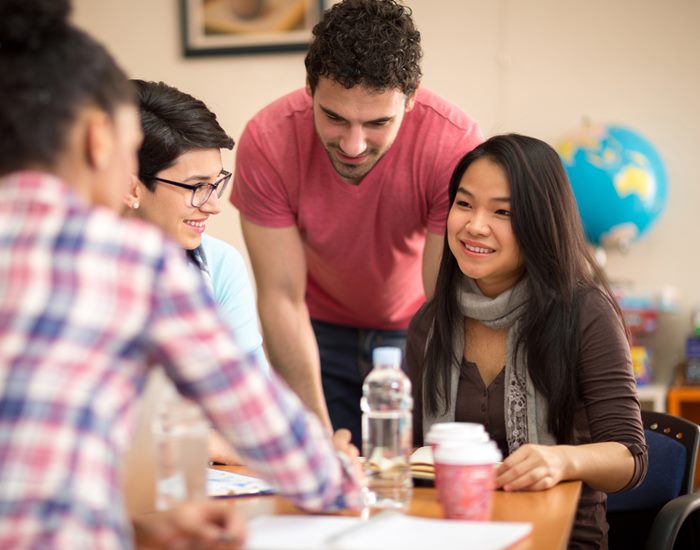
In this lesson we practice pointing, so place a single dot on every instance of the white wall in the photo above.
(531, 66)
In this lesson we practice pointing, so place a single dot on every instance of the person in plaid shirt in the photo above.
(89, 300)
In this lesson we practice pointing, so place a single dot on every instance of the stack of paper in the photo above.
(422, 463)
(386, 531)
(422, 466)
(221, 483)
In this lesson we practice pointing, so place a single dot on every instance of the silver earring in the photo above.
(135, 206)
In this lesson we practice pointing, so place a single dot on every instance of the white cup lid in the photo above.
(456, 431)
(456, 437)
(466, 426)
(467, 453)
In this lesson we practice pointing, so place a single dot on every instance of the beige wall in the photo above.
(532, 66)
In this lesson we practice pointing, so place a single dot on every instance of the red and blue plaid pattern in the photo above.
(87, 301)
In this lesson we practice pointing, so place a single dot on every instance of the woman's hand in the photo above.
(533, 468)
(206, 524)
(606, 467)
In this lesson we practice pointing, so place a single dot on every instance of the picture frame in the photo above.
(226, 27)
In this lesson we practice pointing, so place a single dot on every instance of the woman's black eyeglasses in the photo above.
(202, 191)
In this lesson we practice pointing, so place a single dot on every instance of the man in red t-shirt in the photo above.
(342, 190)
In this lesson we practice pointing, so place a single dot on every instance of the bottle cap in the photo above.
(386, 356)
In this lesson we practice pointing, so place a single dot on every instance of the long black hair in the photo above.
(50, 71)
(559, 270)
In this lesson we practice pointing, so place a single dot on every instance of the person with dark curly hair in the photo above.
(342, 191)
(90, 301)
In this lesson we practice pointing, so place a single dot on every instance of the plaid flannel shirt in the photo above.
(87, 301)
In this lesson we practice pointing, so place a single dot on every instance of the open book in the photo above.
(422, 463)
(422, 466)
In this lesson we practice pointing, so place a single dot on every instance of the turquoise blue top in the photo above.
(233, 294)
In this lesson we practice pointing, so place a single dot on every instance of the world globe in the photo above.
(619, 181)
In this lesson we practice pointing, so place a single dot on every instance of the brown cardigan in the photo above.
(607, 404)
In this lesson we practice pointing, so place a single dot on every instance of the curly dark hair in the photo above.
(369, 42)
(50, 71)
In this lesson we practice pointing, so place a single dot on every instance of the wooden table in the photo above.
(551, 512)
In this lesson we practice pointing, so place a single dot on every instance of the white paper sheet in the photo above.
(388, 531)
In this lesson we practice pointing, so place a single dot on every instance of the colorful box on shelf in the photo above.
(641, 321)
(691, 365)
(641, 364)
(692, 347)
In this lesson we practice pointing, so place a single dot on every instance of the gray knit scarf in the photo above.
(525, 408)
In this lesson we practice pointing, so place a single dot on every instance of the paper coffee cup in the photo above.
(458, 432)
(465, 478)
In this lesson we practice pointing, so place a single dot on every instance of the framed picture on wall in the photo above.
(223, 27)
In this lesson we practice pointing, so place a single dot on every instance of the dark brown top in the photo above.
(607, 404)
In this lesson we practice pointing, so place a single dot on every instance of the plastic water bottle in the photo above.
(387, 432)
(181, 434)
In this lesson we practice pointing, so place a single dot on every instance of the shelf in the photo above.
(652, 397)
(684, 401)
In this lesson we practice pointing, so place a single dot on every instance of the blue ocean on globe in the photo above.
(619, 181)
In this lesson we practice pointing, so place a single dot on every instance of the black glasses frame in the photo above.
(219, 186)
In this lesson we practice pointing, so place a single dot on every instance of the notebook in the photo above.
(422, 466)
(422, 463)
(385, 531)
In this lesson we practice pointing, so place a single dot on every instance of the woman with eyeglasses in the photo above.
(179, 185)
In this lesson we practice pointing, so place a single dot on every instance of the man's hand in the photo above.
(204, 525)
(220, 451)
(341, 442)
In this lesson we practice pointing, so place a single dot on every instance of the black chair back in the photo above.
(685, 432)
(673, 449)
